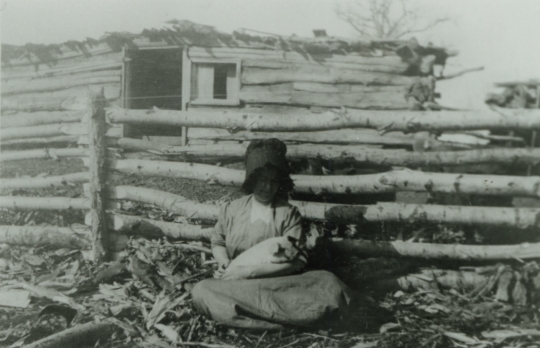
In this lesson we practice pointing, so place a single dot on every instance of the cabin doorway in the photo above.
(153, 78)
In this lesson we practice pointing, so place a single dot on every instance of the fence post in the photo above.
(186, 88)
(97, 128)
(534, 134)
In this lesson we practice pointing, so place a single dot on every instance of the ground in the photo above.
(148, 295)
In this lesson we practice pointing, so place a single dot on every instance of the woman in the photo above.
(266, 296)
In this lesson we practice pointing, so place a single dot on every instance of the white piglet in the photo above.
(274, 250)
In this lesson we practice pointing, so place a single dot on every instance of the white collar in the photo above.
(260, 211)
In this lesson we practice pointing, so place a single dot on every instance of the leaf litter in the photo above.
(151, 301)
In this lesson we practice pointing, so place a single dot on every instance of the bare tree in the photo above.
(385, 19)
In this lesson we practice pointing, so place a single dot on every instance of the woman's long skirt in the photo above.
(316, 299)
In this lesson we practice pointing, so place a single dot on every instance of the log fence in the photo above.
(301, 132)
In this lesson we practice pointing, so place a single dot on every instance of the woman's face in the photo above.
(266, 185)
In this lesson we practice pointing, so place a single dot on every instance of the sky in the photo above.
(500, 35)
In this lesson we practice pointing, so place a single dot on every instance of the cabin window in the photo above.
(214, 82)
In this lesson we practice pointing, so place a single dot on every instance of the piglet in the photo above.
(274, 250)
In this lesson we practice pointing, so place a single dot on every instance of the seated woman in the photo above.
(266, 295)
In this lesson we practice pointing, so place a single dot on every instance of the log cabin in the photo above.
(191, 66)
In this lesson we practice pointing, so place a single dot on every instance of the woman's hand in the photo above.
(222, 266)
(221, 256)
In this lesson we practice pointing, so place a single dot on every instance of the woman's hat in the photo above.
(261, 153)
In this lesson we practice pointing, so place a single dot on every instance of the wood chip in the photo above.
(14, 298)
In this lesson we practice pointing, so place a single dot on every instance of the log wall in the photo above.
(268, 76)
(326, 80)
(29, 85)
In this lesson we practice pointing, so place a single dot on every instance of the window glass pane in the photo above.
(232, 82)
(220, 81)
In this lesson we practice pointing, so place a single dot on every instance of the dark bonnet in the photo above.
(261, 153)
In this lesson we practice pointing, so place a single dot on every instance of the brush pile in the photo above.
(516, 95)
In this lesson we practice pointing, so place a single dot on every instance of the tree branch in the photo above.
(390, 19)
(460, 73)
(431, 25)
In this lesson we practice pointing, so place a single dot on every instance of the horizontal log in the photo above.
(170, 229)
(76, 62)
(318, 87)
(39, 118)
(65, 237)
(416, 181)
(42, 153)
(382, 120)
(254, 76)
(436, 251)
(265, 52)
(43, 203)
(60, 83)
(325, 64)
(143, 145)
(505, 156)
(111, 140)
(348, 247)
(49, 130)
(447, 120)
(361, 154)
(63, 100)
(51, 181)
(343, 88)
(422, 250)
(282, 89)
(43, 102)
(42, 141)
(169, 201)
(78, 72)
(45, 236)
(67, 53)
(62, 65)
(237, 150)
(265, 58)
(393, 181)
(53, 130)
(390, 98)
(342, 136)
(31, 74)
(532, 83)
(234, 120)
(224, 176)
(418, 213)
(347, 214)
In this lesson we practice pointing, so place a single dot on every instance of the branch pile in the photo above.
(516, 95)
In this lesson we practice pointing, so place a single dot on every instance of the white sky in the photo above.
(501, 35)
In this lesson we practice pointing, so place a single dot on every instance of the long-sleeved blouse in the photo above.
(237, 232)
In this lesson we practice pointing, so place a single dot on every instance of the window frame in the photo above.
(223, 102)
